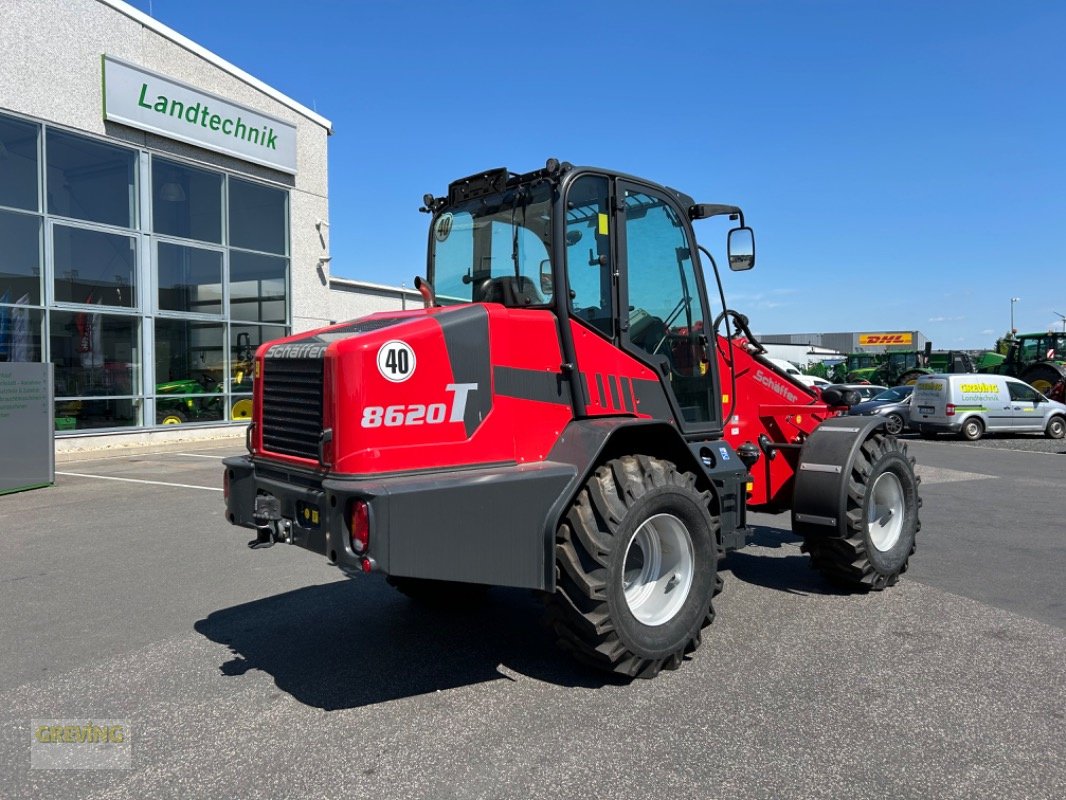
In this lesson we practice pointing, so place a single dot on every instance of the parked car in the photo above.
(893, 404)
(865, 391)
(814, 380)
(794, 372)
(972, 404)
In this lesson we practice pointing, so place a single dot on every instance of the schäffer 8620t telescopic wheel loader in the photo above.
(561, 416)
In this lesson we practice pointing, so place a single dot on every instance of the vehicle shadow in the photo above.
(785, 572)
(354, 643)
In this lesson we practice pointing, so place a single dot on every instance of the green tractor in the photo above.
(901, 367)
(1039, 359)
(202, 399)
(856, 368)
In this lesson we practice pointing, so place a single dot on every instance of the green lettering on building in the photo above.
(201, 116)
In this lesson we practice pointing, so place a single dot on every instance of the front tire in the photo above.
(882, 520)
(1056, 428)
(893, 424)
(636, 558)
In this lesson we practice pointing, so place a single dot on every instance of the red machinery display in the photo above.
(564, 416)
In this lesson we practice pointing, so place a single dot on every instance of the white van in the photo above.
(971, 404)
(794, 372)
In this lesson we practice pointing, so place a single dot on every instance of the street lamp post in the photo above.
(1013, 300)
(1063, 318)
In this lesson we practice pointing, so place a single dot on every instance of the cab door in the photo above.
(1027, 406)
(664, 321)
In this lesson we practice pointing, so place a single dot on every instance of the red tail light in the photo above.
(949, 410)
(359, 526)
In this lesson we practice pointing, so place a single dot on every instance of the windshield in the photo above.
(494, 249)
(895, 394)
(903, 359)
(861, 361)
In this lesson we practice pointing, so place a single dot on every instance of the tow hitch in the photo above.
(270, 527)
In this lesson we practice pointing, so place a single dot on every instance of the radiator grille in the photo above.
(292, 406)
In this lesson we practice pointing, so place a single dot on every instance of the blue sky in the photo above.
(903, 163)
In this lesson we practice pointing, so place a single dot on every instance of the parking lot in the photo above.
(125, 595)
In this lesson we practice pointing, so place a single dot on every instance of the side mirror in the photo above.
(547, 283)
(741, 248)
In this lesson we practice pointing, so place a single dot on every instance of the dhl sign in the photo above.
(866, 339)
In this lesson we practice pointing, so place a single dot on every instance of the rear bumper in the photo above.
(486, 525)
(937, 427)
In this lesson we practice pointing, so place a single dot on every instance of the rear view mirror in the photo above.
(741, 247)
(547, 284)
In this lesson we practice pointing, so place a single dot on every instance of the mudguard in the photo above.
(821, 489)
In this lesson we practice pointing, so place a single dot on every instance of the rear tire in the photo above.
(1056, 428)
(1042, 377)
(882, 520)
(972, 429)
(636, 568)
(912, 377)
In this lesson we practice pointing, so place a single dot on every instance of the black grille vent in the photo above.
(292, 406)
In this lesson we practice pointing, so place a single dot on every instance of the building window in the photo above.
(244, 340)
(18, 164)
(20, 258)
(97, 369)
(189, 279)
(190, 371)
(153, 314)
(186, 201)
(94, 267)
(257, 287)
(20, 332)
(258, 217)
(90, 180)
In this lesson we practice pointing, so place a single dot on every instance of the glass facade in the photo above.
(146, 281)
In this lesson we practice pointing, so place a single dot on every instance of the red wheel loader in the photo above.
(564, 416)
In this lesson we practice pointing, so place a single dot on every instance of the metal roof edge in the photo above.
(381, 287)
(169, 33)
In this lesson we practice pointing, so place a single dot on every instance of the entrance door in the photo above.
(664, 321)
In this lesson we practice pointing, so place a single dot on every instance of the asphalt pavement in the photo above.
(125, 595)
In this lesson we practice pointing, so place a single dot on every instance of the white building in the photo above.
(162, 213)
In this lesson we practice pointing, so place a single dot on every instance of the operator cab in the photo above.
(612, 254)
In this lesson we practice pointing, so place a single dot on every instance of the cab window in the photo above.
(588, 253)
(1023, 393)
(667, 319)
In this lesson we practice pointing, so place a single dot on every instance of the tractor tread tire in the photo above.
(910, 377)
(846, 561)
(1042, 377)
(595, 526)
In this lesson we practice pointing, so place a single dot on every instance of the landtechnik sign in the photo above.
(142, 99)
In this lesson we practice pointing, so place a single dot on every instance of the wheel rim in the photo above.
(242, 409)
(973, 430)
(893, 424)
(884, 516)
(1042, 385)
(658, 569)
(171, 419)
